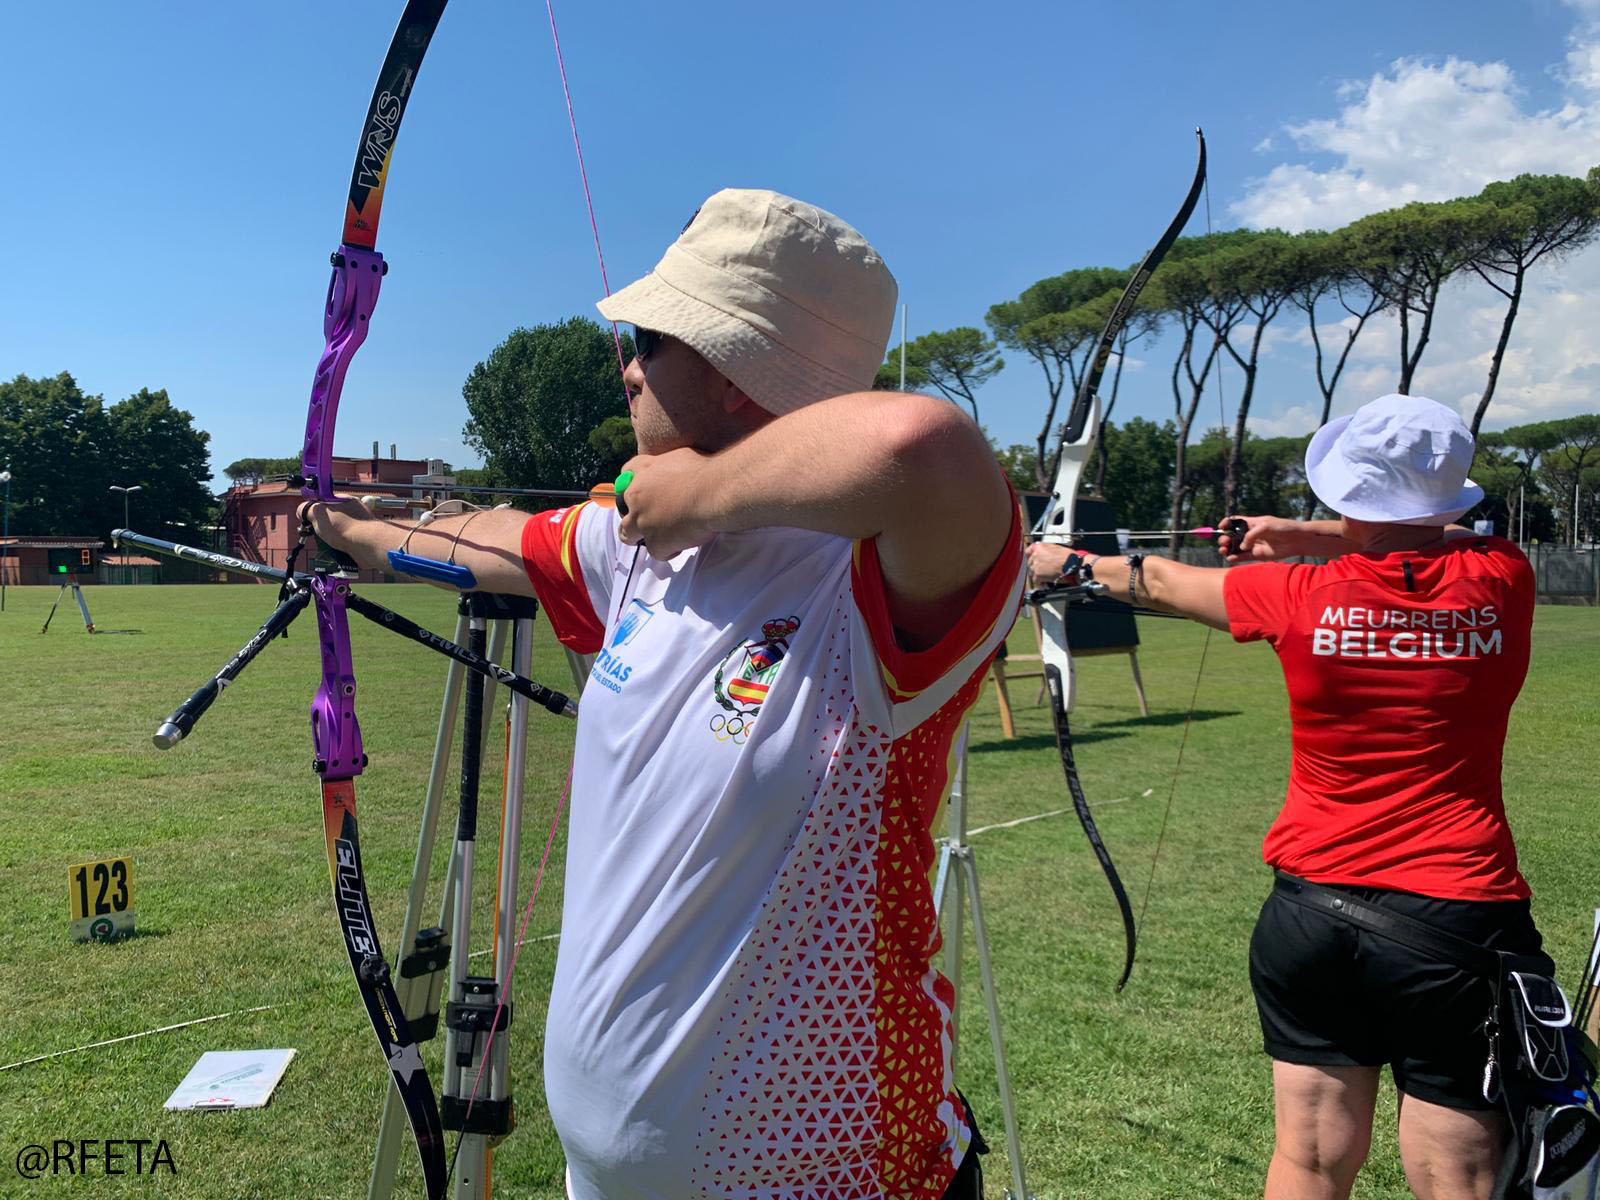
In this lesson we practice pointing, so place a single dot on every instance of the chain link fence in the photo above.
(1565, 574)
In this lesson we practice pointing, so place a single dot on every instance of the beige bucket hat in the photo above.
(786, 300)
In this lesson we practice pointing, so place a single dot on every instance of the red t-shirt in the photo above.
(1400, 685)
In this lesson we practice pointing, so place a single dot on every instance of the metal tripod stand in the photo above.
(476, 1099)
(83, 607)
(956, 862)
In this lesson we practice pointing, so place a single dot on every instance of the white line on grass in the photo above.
(238, 1012)
(128, 1037)
(1054, 812)
(547, 937)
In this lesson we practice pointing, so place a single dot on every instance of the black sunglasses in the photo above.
(646, 342)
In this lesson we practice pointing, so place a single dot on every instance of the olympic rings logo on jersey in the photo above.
(735, 729)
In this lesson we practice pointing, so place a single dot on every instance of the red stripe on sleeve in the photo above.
(550, 557)
(908, 672)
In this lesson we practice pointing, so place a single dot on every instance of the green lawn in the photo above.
(1160, 1092)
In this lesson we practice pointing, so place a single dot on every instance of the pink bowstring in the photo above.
(622, 367)
(583, 174)
(516, 945)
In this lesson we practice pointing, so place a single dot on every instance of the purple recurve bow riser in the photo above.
(352, 295)
(335, 732)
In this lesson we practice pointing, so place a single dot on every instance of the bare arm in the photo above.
(1193, 592)
(1271, 538)
(488, 543)
(909, 471)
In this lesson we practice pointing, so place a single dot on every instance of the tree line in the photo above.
(66, 450)
(1220, 293)
(1535, 477)
(546, 408)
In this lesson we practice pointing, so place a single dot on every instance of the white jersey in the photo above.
(744, 1001)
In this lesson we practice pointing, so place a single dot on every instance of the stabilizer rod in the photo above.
(178, 726)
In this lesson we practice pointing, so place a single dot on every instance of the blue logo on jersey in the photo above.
(633, 620)
(609, 670)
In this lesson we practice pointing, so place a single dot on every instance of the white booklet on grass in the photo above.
(231, 1079)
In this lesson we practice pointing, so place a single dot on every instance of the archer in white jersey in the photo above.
(790, 616)
(745, 1002)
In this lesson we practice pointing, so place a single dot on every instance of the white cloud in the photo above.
(1582, 68)
(1433, 130)
(1289, 422)
(1420, 131)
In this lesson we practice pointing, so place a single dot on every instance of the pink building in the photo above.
(258, 520)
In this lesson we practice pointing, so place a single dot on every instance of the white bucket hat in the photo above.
(1398, 459)
(786, 300)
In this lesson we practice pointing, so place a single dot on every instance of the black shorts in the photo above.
(1330, 994)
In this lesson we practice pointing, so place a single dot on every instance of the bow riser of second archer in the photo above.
(1055, 525)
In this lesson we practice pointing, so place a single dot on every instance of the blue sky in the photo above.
(175, 176)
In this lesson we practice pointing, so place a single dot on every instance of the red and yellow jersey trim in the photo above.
(550, 558)
(907, 673)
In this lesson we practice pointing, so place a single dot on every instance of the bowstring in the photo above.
(583, 174)
(622, 369)
(1205, 647)
(522, 929)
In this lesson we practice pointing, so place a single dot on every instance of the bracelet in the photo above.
(430, 516)
(1135, 574)
(457, 541)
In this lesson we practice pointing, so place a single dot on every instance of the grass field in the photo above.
(1160, 1092)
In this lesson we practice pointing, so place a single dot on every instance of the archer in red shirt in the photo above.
(1401, 669)
(1403, 655)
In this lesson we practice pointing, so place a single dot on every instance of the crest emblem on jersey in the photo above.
(744, 677)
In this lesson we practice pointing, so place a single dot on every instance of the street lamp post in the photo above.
(5, 478)
(125, 491)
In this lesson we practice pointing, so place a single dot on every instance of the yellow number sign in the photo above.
(100, 899)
